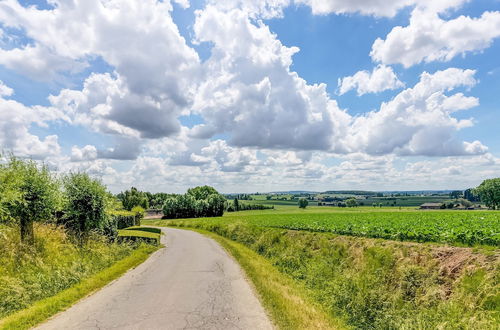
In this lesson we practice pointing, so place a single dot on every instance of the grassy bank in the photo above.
(376, 283)
(42, 279)
(280, 295)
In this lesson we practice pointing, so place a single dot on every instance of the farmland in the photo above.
(456, 227)
(369, 267)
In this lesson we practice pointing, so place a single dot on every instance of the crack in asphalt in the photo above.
(191, 284)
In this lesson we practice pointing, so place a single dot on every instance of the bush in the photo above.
(138, 214)
(303, 203)
(123, 219)
(85, 207)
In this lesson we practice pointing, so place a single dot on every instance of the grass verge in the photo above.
(287, 303)
(140, 233)
(48, 307)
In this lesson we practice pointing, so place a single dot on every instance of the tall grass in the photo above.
(380, 284)
(54, 263)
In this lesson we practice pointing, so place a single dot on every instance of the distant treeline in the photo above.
(235, 206)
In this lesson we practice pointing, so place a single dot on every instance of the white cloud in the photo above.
(380, 79)
(251, 93)
(16, 120)
(154, 68)
(379, 8)
(5, 90)
(430, 38)
(83, 154)
(418, 120)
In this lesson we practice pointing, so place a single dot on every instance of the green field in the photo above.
(357, 264)
(456, 227)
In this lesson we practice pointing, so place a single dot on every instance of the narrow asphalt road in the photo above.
(190, 284)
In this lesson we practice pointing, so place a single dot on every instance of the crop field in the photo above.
(458, 227)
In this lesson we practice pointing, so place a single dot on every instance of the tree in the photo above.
(202, 192)
(351, 202)
(85, 203)
(37, 197)
(236, 204)
(470, 195)
(132, 198)
(216, 204)
(303, 203)
(456, 194)
(489, 192)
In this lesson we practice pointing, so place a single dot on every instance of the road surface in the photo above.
(190, 284)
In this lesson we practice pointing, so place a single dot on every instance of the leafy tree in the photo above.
(216, 203)
(236, 204)
(86, 202)
(489, 192)
(132, 198)
(351, 202)
(33, 194)
(470, 195)
(303, 203)
(456, 194)
(202, 192)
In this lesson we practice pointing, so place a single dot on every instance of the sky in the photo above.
(254, 96)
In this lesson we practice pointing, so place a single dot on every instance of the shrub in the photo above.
(85, 204)
(123, 219)
(139, 214)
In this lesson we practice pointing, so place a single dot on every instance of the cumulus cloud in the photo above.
(251, 93)
(419, 121)
(86, 153)
(154, 68)
(380, 79)
(429, 38)
(379, 8)
(16, 120)
(5, 90)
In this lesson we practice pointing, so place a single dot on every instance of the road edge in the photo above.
(286, 303)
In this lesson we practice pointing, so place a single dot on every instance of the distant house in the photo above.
(431, 206)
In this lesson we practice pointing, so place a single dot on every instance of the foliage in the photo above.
(85, 204)
(139, 214)
(202, 192)
(32, 194)
(351, 202)
(303, 203)
(54, 263)
(197, 202)
(132, 198)
(123, 219)
(377, 284)
(489, 192)
(230, 207)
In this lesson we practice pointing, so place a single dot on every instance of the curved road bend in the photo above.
(190, 284)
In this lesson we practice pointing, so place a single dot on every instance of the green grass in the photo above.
(443, 226)
(56, 262)
(135, 233)
(279, 294)
(372, 283)
(45, 308)
(146, 229)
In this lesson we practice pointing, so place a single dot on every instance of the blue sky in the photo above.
(255, 95)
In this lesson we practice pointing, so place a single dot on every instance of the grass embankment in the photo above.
(42, 280)
(140, 233)
(374, 283)
(288, 303)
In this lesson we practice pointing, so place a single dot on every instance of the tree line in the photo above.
(30, 193)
